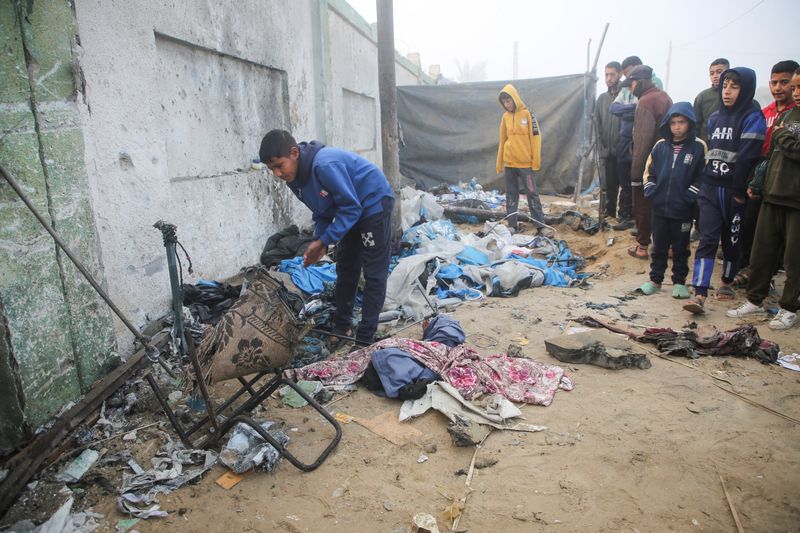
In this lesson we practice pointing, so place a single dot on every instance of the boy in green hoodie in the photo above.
(518, 155)
(778, 224)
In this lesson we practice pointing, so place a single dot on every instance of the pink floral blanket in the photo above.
(518, 379)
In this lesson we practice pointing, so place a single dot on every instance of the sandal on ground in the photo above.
(639, 252)
(725, 292)
(741, 279)
(695, 306)
(649, 288)
(680, 292)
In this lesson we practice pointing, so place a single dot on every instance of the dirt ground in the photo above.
(627, 450)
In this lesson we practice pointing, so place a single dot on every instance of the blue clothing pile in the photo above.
(310, 280)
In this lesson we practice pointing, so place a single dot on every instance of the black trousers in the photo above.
(669, 232)
(610, 184)
(749, 221)
(625, 204)
(368, 247)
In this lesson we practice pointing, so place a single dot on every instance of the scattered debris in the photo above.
(292, 398)
(424, 523)
(790, 361)
(79, 466)
(126, 524)
(229, 479)
(63, 521)
(168, 473)
(465, 433)
(130, 504)
(422, 458)
(485, 462)
(246, 449)
(597, 347)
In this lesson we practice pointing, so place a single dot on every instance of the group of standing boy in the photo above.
(722, 165)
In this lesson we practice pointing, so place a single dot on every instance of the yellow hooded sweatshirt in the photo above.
(520, 137)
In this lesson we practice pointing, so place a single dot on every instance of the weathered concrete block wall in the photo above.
(178, 96)
(56, 333)
(124, 112)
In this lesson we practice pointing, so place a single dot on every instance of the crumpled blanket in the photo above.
(515, 378)
(741, 341)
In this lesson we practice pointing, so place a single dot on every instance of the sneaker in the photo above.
(623, 224)
(783, 320)
(746, 309)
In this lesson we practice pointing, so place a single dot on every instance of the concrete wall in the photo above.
(124, 112)
(56, 333)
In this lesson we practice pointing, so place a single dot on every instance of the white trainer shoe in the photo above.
(783, 320)
(746, 309)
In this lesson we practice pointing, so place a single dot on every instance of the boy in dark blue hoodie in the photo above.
(351, 203)
(736, 133)
(672, 178)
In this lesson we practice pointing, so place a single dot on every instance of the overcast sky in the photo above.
(553, 36)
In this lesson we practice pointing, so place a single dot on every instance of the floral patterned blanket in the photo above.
(516, 378)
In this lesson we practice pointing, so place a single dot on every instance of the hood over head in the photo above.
(679, 108)
(308, 150)
(511, 91)
(747, 91)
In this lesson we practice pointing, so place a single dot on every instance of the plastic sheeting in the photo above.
(449, 133)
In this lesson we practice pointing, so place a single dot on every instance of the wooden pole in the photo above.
(387, 88)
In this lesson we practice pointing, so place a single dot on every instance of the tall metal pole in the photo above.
(669, 66)
(589, 90)
(388, 100)
(516, 60)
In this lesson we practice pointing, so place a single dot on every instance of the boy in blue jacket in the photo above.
(351, 203)
(735, 135)
(672, 177)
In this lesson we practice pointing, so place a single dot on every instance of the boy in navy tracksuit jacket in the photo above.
(736, 133)
(351, 203)
(672, 176)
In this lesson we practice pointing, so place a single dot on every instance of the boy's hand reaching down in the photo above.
(314, 253)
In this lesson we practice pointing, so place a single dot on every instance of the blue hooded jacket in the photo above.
(339, 187)
(672, 182)
(735, 136)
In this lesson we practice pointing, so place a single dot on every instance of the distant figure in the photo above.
(779, 221)
(705, 104)
(708, 100)
(672, 181)
(779, 83)
(624, 108)
(518, 155)
(607, 127)
(652, 106)
(736, 133)
(351, 203)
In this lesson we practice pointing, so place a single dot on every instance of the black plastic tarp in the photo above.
(449, 133)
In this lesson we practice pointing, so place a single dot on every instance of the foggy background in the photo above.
(473, 40)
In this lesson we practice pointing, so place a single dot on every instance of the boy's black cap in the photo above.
(639, 72)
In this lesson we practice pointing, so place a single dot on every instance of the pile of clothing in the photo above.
(405, 366)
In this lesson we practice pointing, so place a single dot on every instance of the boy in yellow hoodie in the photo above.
(519, 154)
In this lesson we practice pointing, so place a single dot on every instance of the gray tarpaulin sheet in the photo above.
(449, 133)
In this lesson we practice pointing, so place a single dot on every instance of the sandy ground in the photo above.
(627, 450)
